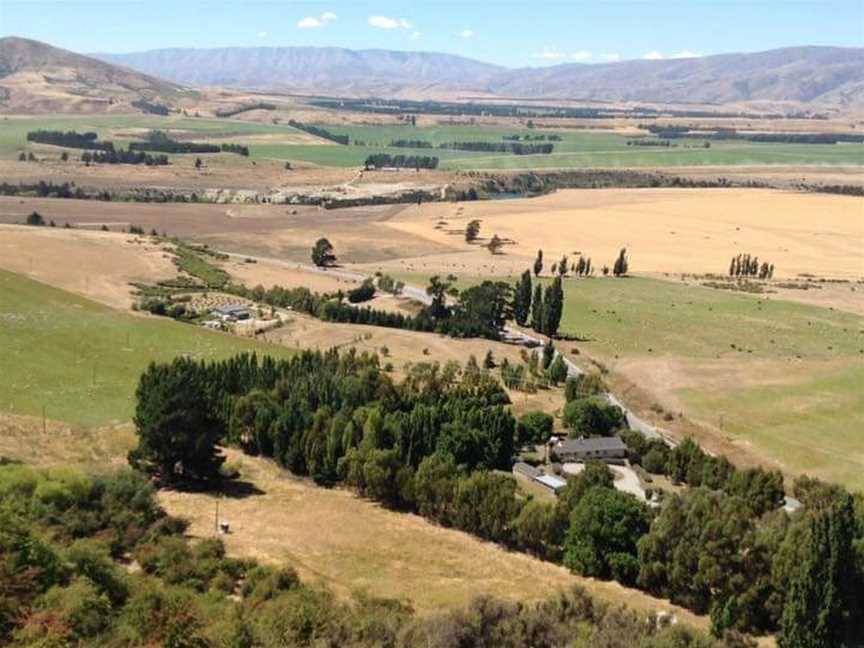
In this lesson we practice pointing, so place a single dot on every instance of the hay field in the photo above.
(283, 232)
(97, 265)
(81, 360)
(664, 230)
(332, 536)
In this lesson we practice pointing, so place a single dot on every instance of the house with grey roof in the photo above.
(609, 449)
(232, 312)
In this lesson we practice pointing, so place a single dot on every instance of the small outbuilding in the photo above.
(551, 482)
(528, 471)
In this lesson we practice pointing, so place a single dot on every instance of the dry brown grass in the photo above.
(280, 231)
(329, 535)
(98, 265)
(59, 444)
(351, 544)
(664, 230)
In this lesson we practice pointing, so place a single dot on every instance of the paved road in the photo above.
(643, 427)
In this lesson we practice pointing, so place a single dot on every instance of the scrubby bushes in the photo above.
(593, 416)
(364, 292)
(534, 427)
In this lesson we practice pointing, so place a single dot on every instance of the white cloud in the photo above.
(610, 57)
(653, 55)
(314, 22)
(386, 22)
(686, 54)
(262, 34)
(416, 35)
(466, 33)
(549, 54)
(581, 56)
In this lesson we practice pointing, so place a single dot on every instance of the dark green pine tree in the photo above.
(619, 269)
(177, 427)
(819, 604)
(522, 299)
(553, 307)
(537, 309)
(548, 354)
(538, 263)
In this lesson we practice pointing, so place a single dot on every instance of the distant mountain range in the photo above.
(827, 75)
(330, 70)
(799, 77)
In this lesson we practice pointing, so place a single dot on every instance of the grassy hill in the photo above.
(81, 360)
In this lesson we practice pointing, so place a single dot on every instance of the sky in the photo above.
(515, 33)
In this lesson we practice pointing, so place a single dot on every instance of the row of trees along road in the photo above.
(544, 307)
(432, 444)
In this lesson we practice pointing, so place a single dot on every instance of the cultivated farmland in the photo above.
(576, 148)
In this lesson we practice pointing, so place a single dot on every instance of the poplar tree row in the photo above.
(544, 307)
(743, 265)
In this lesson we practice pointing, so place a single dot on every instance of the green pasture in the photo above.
(787, 378)
(577, 149)
(81, 360)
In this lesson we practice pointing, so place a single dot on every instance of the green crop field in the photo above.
(582, 149)
(786, 377)
(81, 360)
(577, 148)
(13, 130)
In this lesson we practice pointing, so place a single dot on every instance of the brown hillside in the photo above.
(35, 78)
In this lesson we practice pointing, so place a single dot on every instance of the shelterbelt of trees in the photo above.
(431, 444)
(65, 544)
(69, 139)
(160, 141)
(379, 160)
(479, 311)
(515, 147)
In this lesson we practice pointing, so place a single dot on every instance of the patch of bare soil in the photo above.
(842, 296)
(359, 234)
(220, 171)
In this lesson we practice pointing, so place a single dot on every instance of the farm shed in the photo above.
(526, 470)
(551, 482)
(232, 312)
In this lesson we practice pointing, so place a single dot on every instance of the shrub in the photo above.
(593, 416)
(534, 427)
(362, 293)
(584, 385)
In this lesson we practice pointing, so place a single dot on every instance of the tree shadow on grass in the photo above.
(231, 488)
(239, 489)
